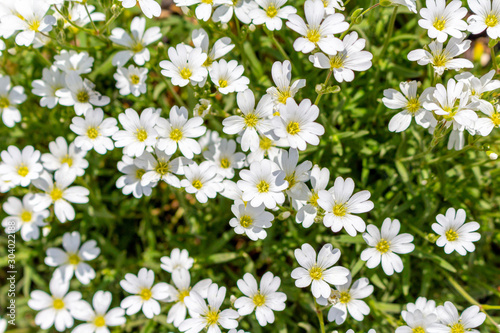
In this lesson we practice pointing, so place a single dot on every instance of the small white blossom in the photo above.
(250, 220)
(455, 234)
(441, 19)
(131, 80)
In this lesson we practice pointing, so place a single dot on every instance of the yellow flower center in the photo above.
(82, 96)
(134, 79)
(316, 273)
(259, 300)
(383, 246)
(74, 259)
(451, 113)
(141, 134)
(56, 194)
(34, 25)
(265, 143)
(162, 168)
(457, 328)
(58, 304)
(345, 297)
(208, 62)
(263, 186)
(336, 62)
(139, 173)
(313, 199)
(325, 3)
(201, 109)
(451, 235)
(186, 73)
(212, 317)
(283, 96)
(207, 1)
(183, 294)
(246, 221)
(67, 159)
(224, 163)
(145, 294)
(439, 23)
(4, 102)
(138, 47)
(418, 329)
(197, 184)
(23, 170)
(92, 133)
(313, 35)
(251, 120)
(495, 118)
(99, 321)
(176, 135)
(439, 60)
(413, 105)
(340, 209)
(271, 11)
(491, 20)
(291, 180)
(293, 128)
(25, 216)
(222, 83)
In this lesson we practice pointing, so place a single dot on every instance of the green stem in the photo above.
(277, 44)
(90, 18)
(40, 55)
(319, 313)
(389, 33)
(494, 58)
(170, 88)
(318, 98)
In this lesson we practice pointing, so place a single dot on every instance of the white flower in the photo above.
(220, 48)
(55, 308)
(344, 63)
(80, 94)
(250, 220)
(179, 291)
(441, 59)
(450, 321)
(185, 66)
(10, 97)
(179, 132)
(455, 235)
(411, 103)
(204, 9)
(282, 76)
(319, 272)
(72, 61)
(60, 193)
(202, 108)
(263, 300)
(426, 307)
(24, 215)
(52, 80)
(61, 153)
(136, 43)
(486, 17)
(72, 260)
(317, 32)
(131, 181)
(478, 87)
(131, 80)
(331, 5)
(254, 120)
(348, 299)
(30, 21)
(224, 157)
(145, 295)
(150, 8)
(384, 245)
(98, 318)
(308, 201)
(417, 322)
(442, 101)
(485, 125)
(241, 9)
(202, 180)
(270, 12)
(227, 77)
(160, 167)
(208, 316)
(94, 131)
(178, 260)
(263, 183)
(295, 175)
(296, 124)
(410, 4)
(3, 325)
(266, 148)
(340, 204)
(139, 132)
(78, 15)
(442, 20)
(20, 167)
(231, 190)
